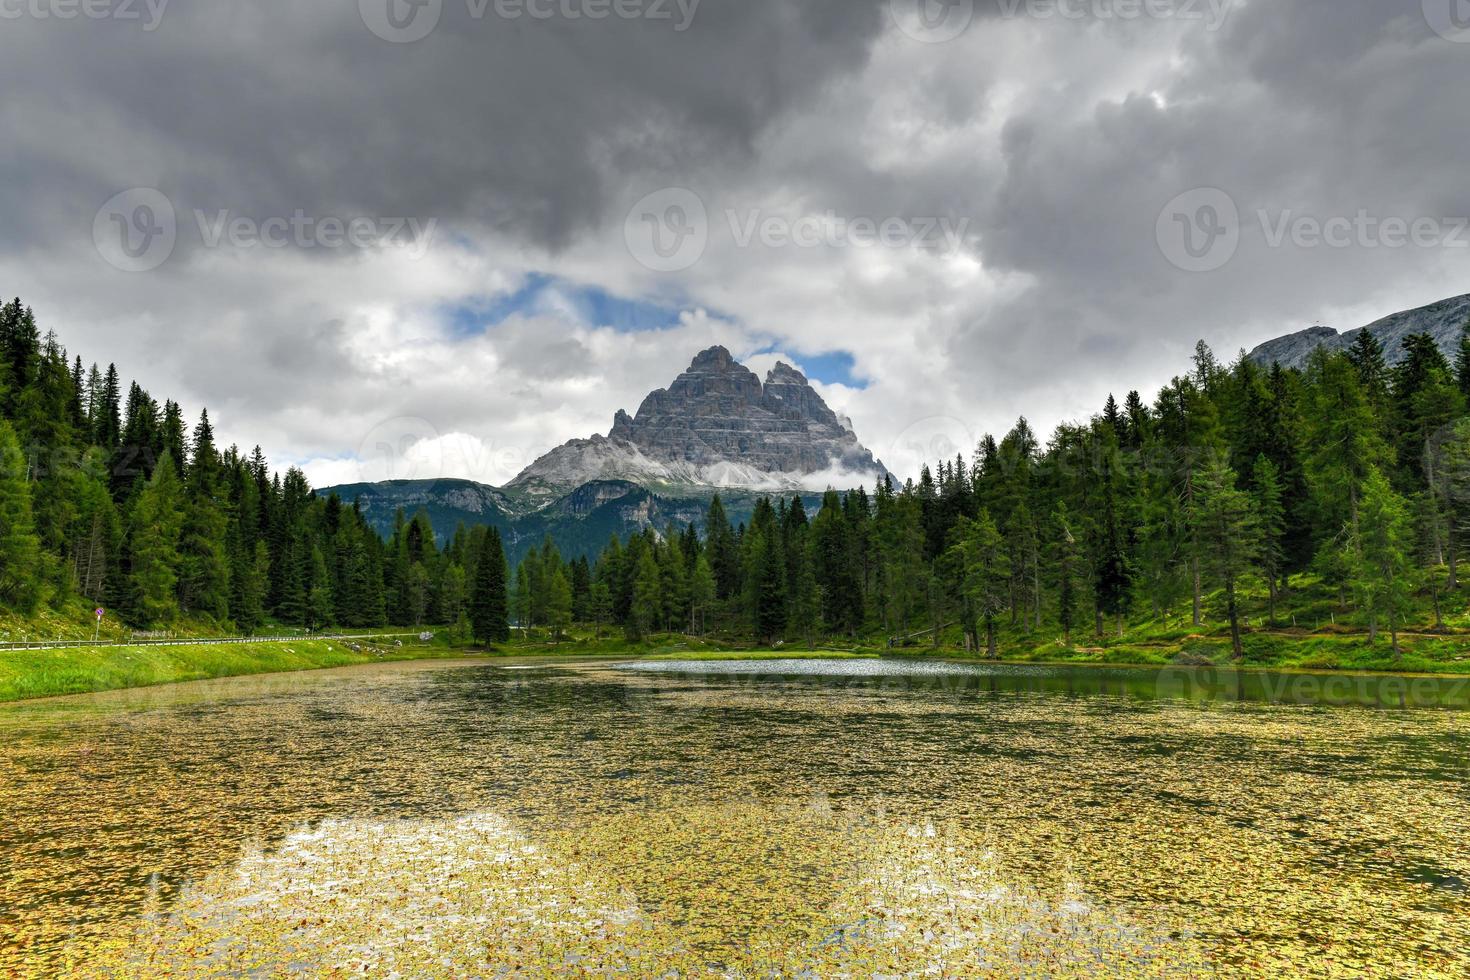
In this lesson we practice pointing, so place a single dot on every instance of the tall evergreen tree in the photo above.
(156, 524)
(1231, 537)
(489, 602)
(20, 548)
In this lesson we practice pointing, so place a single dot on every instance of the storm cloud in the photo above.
(406, 224)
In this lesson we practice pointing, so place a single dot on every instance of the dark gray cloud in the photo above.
(1057, 140)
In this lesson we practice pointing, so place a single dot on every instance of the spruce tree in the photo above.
(1271, 521)
(156, 524)
(1066, 562)
(1230, 534)
(489, 604)
(1381, 568)
(20, 548)
(647, 600)
(985, 565)
(559, 603)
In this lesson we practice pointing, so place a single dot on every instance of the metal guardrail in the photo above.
(39, 644)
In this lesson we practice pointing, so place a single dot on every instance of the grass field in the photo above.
(45, 673)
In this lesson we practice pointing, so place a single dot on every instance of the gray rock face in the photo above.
(1444, 321)
(716, 425)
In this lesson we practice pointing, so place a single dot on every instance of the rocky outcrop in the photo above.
(717, 425)
(1444, 321)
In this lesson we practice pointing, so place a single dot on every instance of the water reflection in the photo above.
(1280, 836)
(1200, 684)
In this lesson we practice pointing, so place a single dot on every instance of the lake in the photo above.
(741, 819)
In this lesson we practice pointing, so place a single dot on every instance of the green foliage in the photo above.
(20, 548)
(1379, 550)
(157, 521)
(489, 610)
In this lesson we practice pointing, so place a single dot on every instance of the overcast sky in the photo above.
(480, 227)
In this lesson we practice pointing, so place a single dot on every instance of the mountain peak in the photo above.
(718, 426)
(716, 359)
(785, 374)
(1444, 321)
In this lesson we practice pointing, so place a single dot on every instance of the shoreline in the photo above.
(28, 676)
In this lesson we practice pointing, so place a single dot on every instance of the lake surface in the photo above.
(741, 819)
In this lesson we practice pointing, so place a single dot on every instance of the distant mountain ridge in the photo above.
(717, 429)
(1444, 321)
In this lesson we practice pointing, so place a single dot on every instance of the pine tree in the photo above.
(319, 603)
(981, 556)
(724, 558)
(601, 605)
(702, 594)
(1112, 571)
(489, 604)
(250, 614)
(108, 413)
(647, 600)
(1066, 562)
(204, 568)
(559, 603)
(1381, 568)
(20, 548)
(1271, 521)
(1231, 538)
(157, 522)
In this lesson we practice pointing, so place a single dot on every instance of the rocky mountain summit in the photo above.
(1444, 321)
(718, 425)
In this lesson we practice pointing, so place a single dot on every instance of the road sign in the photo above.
(101, 612)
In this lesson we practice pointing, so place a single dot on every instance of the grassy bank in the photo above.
(1164, 644)
(28, 674)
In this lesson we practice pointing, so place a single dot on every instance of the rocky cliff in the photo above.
(1444, 321)
(717, 425)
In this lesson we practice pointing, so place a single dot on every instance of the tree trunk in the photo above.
(1237, 648)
